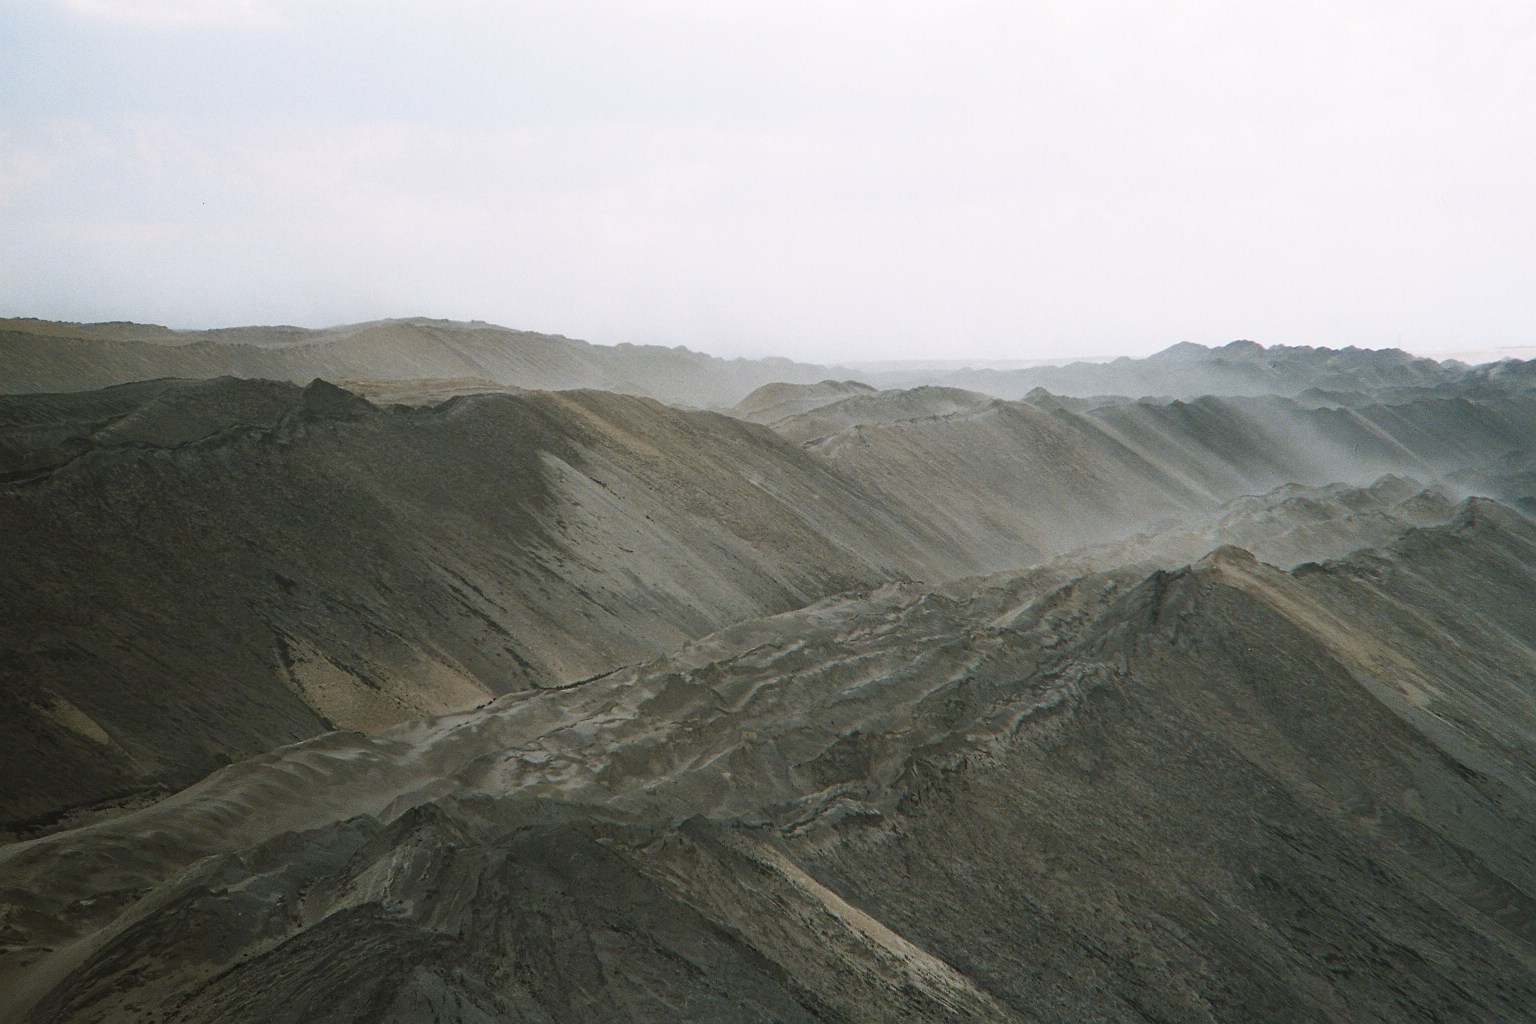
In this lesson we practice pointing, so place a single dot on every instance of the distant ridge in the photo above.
(45, 356)
(432, 696)
(1188, 370)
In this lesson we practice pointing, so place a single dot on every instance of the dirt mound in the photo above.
(1211, 793)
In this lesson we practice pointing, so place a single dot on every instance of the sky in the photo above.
(831, 181)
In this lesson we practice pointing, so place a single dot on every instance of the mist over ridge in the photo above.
(421, 669)
(767, 513)
(49, 356)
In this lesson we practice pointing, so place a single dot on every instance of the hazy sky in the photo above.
(836, 179)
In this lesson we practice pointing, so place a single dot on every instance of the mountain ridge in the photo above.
(257, 561)
(49, 356)
(1309, 848)
(427, 687)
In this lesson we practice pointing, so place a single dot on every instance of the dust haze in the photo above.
(797, 512)
(421, 669)
(823, 181)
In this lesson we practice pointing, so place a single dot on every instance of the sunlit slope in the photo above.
(1018, 481)
(1262, 442)
(1221, 792)
(810, 412)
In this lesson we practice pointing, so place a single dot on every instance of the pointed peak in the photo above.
(1181, 351)
(322, 399)
(1228, 556)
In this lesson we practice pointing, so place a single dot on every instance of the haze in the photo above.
(826, 181)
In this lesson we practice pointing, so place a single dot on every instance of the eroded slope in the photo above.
(197, 571)
(204, 569)
(1222, 792)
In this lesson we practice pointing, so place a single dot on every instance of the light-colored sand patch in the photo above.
(62, 713)
(1387, 673)
(435, 688)
(337, 695)
(348, 702)
(776, 905)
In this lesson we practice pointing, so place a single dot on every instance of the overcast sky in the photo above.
(838, 179)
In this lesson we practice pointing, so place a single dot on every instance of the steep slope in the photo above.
(1222, 444)
(201, 570)
(1210, 794)
(1016, 482)
(42, 356)
(1012, 483)
(205, 569)
(1285, 527)
(1245, 818)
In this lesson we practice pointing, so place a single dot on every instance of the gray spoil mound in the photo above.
(201, 570)
(779, 400)
(197, 571)
(1014, 483)
(435, 698)
(1218, 793)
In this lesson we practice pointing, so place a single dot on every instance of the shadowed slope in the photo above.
(232, 565)
(205, 569)
(1203, 795)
